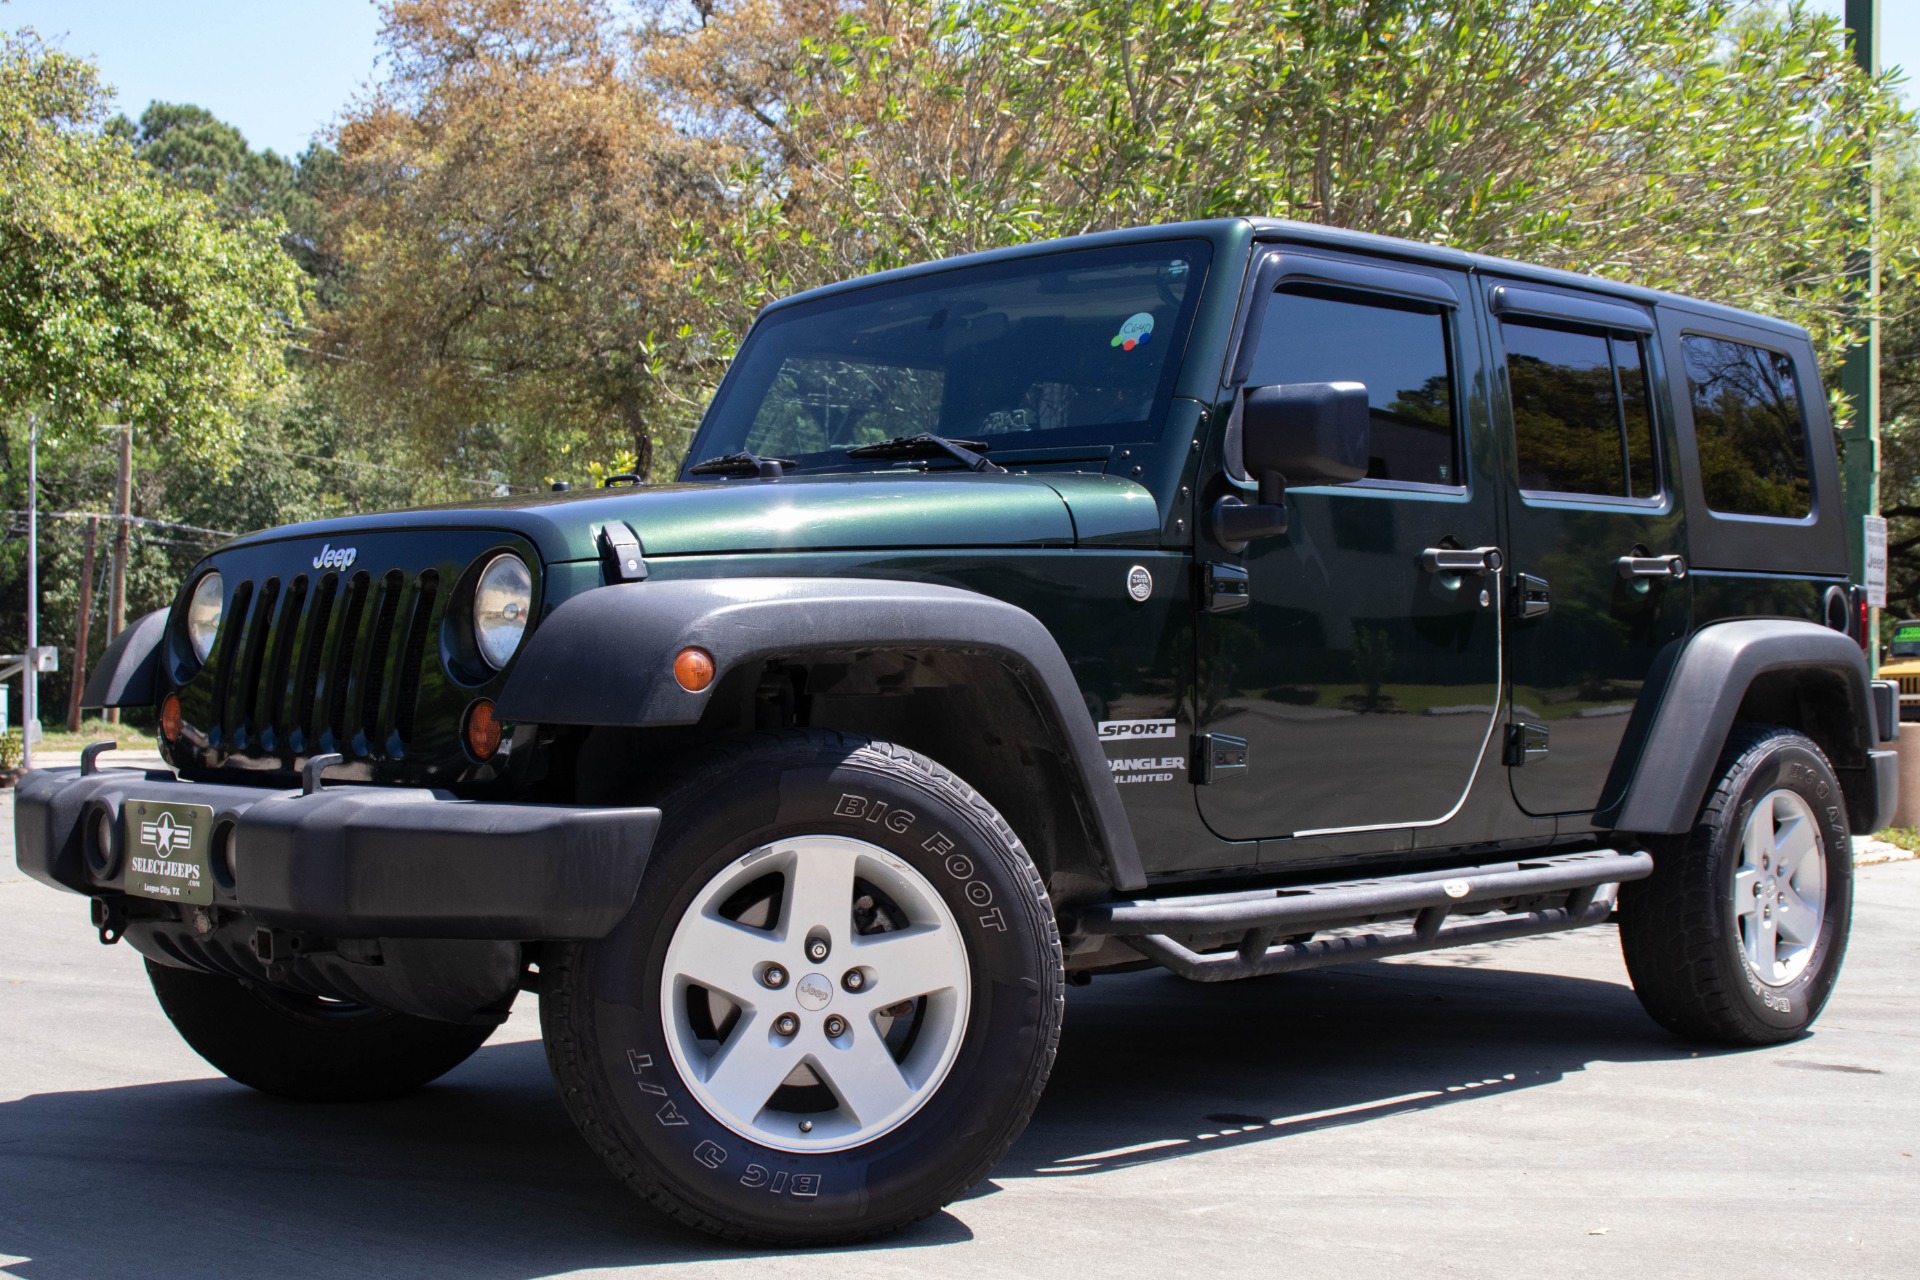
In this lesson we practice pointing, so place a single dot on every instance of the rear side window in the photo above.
(1581, 421)
(1750, 430)
(1315, 334)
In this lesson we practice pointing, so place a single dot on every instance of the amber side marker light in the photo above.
(170, 718)
(483, 729)
(693, 668)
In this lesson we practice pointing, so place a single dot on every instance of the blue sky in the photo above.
(281, 70)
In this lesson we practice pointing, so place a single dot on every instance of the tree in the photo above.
(507, 204)
(118, 294)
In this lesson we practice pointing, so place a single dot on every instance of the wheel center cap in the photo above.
(814, 992)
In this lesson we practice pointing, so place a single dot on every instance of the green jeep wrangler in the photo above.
(1232, 597)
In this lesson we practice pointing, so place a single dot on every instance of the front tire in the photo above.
(1738, 936)
(305, 1048)
(833, 1006)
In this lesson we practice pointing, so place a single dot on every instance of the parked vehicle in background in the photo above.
(1234, 597)
(1901, 665)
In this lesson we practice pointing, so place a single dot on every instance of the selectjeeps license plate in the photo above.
(167, 847)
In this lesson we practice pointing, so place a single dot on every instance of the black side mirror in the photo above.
(1294, 433)
(1305, 433)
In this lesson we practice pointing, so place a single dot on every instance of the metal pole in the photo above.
(122, 508)
(30, 671)
(80, 626)
(1860, 375)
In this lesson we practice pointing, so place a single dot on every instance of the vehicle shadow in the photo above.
(482, 1174)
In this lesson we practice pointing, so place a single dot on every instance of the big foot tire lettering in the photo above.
(833, 1006)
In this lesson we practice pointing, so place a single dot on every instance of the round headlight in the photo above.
(501, 601)
(204, 607)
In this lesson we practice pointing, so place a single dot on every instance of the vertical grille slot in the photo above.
(227, 656)
(285, 633)
(257, 633)
(343, 657)
(414, 654)
(373, 683)
(310, 658)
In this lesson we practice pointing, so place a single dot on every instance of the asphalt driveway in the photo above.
(1501, 1111)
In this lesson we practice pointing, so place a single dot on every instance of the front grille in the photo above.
(1910, 684)
(313, 665)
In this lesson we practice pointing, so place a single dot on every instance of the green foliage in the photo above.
(12, 744)
(120, 297)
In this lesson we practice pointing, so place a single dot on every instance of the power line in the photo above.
(140, 520)
(376, 466)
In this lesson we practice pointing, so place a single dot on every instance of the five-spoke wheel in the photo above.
(1780, 891)
(815, 993)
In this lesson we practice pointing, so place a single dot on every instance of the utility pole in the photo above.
(122, 509)
(80, 626)
(1860, 376)
(30, 671)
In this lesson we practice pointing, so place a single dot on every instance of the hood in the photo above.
(907, 510)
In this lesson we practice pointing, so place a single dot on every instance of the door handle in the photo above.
(1651, 567)
(1462, 560)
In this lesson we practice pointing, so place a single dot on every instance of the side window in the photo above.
(1581, 420)
(1314, 334)
(1749, 428)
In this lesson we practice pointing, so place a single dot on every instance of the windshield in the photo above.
(1906, 640)
(1072, 349)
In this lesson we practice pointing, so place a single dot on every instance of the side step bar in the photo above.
(1509, 895)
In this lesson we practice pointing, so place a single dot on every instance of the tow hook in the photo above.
(110, 919)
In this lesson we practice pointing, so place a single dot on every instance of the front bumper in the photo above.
(360, 861)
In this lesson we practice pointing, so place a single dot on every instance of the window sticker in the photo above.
(1135, 332)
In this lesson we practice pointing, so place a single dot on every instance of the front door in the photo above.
(1362, 674)
(1596, 530)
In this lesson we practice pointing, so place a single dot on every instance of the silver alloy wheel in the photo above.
(1780, 891)
(788, 1050)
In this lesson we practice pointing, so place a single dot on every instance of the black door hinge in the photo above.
(1526, 743)
(1531, 596)
(1224, 588)
(1218, 757)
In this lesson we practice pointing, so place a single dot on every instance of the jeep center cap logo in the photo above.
(815, 992)
(332, 557)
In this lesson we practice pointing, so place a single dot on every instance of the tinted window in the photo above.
(1906, 640)
(1751, 434)
(1068, 349)
(1400, 352)
(1581, 420)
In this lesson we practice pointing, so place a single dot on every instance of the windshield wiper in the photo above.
(742, 464)
(927, 445)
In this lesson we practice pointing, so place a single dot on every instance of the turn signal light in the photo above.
(482, 730)
(170, 718)
(693, 668)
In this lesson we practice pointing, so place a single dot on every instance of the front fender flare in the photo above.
(605, 658)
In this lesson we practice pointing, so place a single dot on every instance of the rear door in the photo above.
(1596, 534)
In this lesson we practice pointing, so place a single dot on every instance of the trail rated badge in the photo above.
(1135, 332)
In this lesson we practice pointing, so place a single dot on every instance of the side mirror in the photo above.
(1305, 433)
(1294, 433)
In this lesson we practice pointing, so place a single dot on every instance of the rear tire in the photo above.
(809, 1107)
(1738, 936)
(304, 1048)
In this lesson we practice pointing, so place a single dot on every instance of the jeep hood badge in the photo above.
(332, 557)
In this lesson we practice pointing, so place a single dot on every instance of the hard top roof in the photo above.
(1221, 230)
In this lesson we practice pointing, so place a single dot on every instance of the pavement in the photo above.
(1505, 1110)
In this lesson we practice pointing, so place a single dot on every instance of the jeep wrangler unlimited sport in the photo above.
(1233, 597)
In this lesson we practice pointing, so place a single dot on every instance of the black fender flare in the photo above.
(605, 657)
(128, 673)
(1708, 680)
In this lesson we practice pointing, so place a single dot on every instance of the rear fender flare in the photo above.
(1701, 697)
(605, 657)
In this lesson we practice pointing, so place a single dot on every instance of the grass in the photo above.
(93, 729)
(1905, 837)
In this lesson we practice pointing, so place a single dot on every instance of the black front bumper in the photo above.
(360, 861)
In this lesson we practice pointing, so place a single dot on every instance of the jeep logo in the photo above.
(814, 991)
(332, 557)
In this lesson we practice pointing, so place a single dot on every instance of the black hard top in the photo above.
(1226, 231)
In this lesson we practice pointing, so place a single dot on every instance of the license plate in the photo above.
(167, 850)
